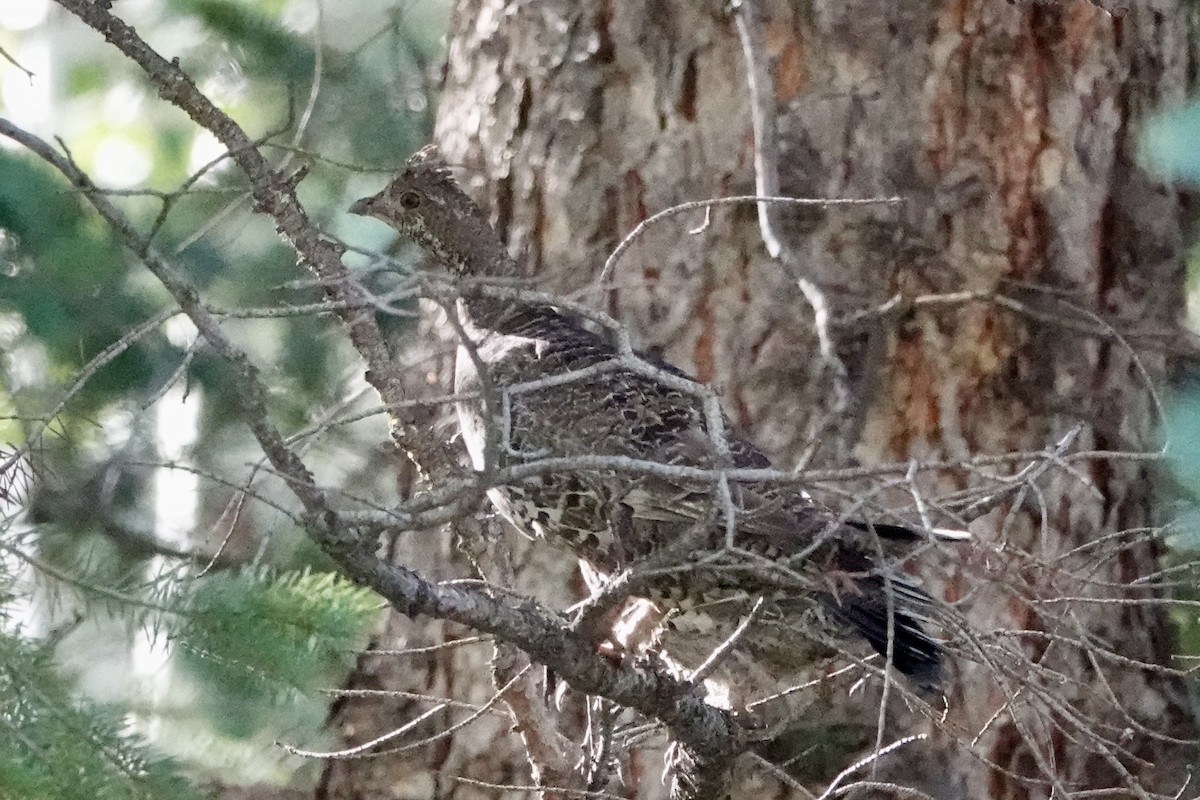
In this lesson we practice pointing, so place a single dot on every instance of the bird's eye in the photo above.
(410, 200)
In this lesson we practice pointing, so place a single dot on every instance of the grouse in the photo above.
(634, 460)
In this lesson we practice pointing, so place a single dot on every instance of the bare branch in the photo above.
(709, 733)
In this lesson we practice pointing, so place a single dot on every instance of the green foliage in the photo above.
(250, 647)
(68, 282)
(53, 748)
(259, 642)
(1183, 440)
(271, 50)
(1182, 431)
(1168, 144)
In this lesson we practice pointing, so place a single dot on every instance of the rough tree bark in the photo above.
(1010, 130)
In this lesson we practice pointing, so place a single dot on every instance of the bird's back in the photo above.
(537, 383)
(561, 390)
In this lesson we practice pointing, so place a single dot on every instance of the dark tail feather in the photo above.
(914, 653)
(897, 533)
(903, 533)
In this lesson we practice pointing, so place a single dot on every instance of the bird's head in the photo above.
(424, 203)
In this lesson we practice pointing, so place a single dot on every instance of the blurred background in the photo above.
(149, 563)
(154, 584)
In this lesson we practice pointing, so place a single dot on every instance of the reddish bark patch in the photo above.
(786, 49)
(633, 211)
(744, 417)
(538, 208)
(605, 50)
(1083, 25)
(1010, 752)
(702, 352)
(609, 226)
(635, 198)
(946, 112)
(914, 387)
(687, 90)
(952, 588)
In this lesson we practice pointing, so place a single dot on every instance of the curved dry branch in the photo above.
(709, 735)
(1025, 685)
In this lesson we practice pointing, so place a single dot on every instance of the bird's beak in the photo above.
(365, 207)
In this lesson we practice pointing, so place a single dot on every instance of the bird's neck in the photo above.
(482, 312)
(492, 310)
(492, 261)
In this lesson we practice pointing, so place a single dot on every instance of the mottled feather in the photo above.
(824, 576)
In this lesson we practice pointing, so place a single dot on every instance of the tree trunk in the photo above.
(1009, 130)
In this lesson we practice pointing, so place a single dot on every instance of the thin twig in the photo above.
(762, 199)
(707, 730)
(726, 647)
